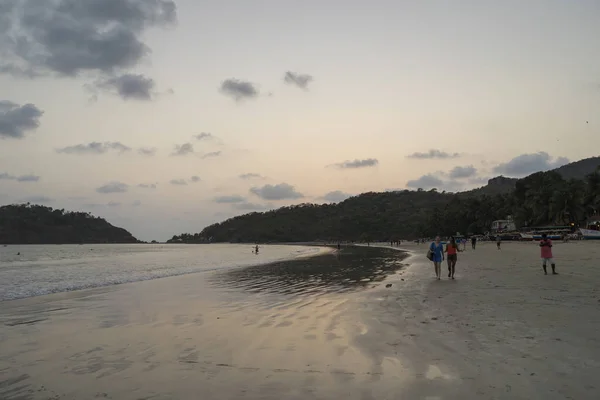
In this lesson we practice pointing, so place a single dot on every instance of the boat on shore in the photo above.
(552, 232)
(592, 229)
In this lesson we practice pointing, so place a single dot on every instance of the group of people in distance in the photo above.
(437, 254)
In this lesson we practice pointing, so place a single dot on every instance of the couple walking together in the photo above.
(436, 255)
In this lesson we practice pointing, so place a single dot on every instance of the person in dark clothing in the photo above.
(473, 242)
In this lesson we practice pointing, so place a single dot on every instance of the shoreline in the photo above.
(318, 251)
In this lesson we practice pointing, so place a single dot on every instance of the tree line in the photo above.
(544, 198)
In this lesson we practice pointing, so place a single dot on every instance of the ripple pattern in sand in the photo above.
(353, 268)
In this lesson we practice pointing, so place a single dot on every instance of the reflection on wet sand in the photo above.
(352, 268)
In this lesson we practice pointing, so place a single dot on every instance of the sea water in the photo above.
(34, 270)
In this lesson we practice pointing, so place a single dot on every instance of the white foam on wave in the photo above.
(55, 271)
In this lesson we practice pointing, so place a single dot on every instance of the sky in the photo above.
(165, 116)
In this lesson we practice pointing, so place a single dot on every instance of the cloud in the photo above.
(300, 80)
(526, 164)
(428, 181)
(335, 196)
(136, 203)
(204, 136)
(195, 179)
(183, 149)
(94, 148)
(113, 187)
(19, 72)
(251, 176)
(114, 204)
(16, 120)
(282, 191)
(147, 185)
(229, 199)
(147, 151)
(28, 178)
(368, 162)
(212, 154)
(178, 182)
(238, 90)
(21, 178)
(479, 181)
(247, 206)
(128, 86)
(71, 37)
(433, 153)
(463, 172)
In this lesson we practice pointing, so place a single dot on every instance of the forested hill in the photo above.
(539, 199)
(34, 224)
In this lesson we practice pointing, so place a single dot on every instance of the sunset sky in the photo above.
(164, 116)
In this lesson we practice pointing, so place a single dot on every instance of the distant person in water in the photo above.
(452, 250)
(437, 249)
(498, 241)
(473, 242)
(546, 250)
(256, 250)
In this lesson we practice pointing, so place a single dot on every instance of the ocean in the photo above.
(35, 270)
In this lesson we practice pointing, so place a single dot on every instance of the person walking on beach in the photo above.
(546, 250)
(437, 250)
(451, 250)
(498, 241)
(473, 242)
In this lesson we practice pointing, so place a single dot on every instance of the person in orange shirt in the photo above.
(452, 250)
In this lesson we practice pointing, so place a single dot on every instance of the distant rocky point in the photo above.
(35, 224)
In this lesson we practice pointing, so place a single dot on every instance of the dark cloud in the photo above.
(16, 120)
(113, 187)
(212, 154)
(251, 176)
(300, 80)
(68, 37)
(94, 148)
(282, 191)
(368, 162)
(19, 72)
(526, 164)
(178, 182)
(147, 185)
(430, 181)
(335, 196)
(28, 178)
(195, 179)
(37, 200)
(229, 199)
(183, 149)
(433, 153)
(238, 90)
(462, 172)
(21, 178)
(204, 136)
(128, 86)
(147, 151)
(247, 206)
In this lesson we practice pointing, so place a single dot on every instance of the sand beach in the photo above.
(501, 330)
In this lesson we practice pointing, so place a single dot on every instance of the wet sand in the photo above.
(323, 328)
